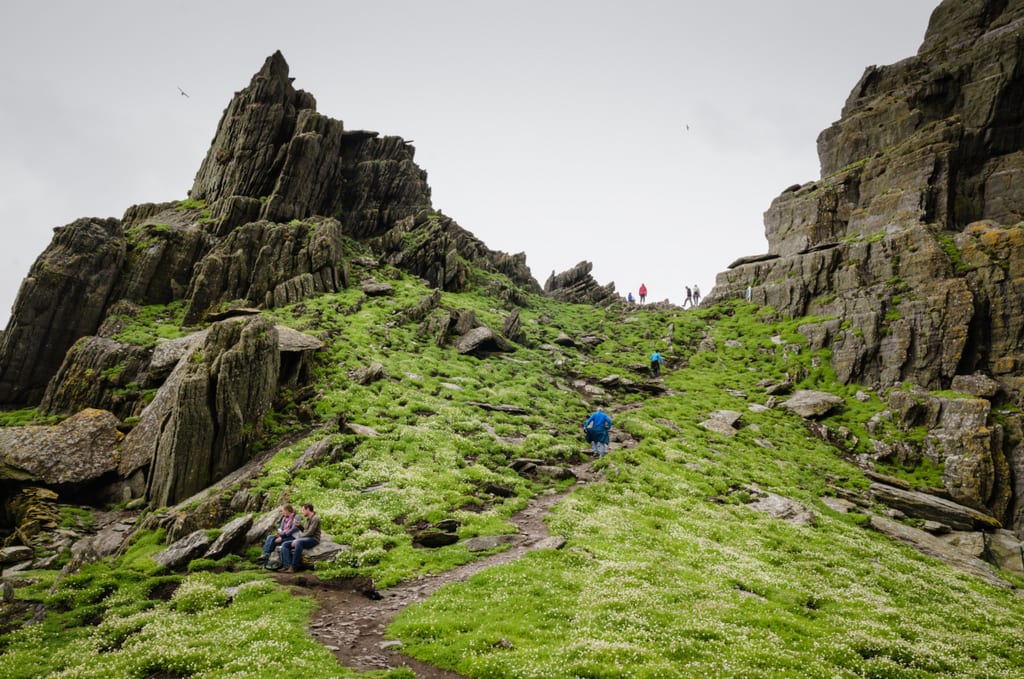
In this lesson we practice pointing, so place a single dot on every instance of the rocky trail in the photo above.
(353, 615)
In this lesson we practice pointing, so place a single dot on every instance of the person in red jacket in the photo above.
(643, 293)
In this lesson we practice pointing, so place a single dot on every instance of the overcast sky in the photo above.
(556, 128)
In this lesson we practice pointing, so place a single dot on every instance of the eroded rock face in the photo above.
(272, 146)
(434, 247)
(62, 298)
(578, 286)
(204, 418)
(269, 264)
(95, 374)
(911, 235)
(910, 244)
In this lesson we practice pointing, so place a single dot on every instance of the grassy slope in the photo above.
(666, 572)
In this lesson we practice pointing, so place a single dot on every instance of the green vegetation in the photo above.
(190, 204)
(145, 326)
(666, 573)
(948, 242)
(25, 416)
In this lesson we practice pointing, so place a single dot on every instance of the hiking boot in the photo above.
(262, 557)
(290, 569)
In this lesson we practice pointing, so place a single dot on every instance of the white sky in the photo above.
(552, 127)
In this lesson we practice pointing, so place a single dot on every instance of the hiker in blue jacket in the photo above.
(597, 427)
(656, 363)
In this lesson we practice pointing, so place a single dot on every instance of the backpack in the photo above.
(274, 560)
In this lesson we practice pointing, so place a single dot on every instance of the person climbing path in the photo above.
(597, 428)
(656, 363)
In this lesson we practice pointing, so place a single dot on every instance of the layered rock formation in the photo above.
(279, 193)
(910, 247)
(910, 238)
(578, 285)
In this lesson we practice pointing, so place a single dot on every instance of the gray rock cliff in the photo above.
(910, 250)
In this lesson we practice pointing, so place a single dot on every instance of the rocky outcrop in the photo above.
(383, 185)
(909, 237)
(164, 242)
(271, 147)
(279, 191)
(576, 285)
(932, 546)
(269, 265)
(97, 372)
(435, 248)
(202, 422)
(909, 246)
(62, 298)
(81, 449)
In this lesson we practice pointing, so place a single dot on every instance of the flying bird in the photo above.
(183, 92)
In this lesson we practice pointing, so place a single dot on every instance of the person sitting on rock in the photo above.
(289, 526)
(291, 551)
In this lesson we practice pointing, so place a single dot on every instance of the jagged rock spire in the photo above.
(273, 156)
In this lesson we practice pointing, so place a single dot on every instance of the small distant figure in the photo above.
(596, 428)
(183, 92)
(629, 297)
(643, 293)
(656, 362)
(291, 552)
(748, 293)
(696, 295)
(689, 297)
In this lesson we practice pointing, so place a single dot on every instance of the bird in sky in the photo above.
(183, 92)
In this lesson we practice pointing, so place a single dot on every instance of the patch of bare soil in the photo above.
(353, 615)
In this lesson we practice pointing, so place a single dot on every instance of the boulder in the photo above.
(431, 537)
(15, 554)
(482, 340)
(378, 289)
(97, 372)
(811, 404)
(368, 373)
(979, 385)
(183, 551)
(923, 506)
(1006, 551)
(935, 547)
(80, 449)
(780, 507)
(325, 551)
(719, 427)
(231, 537)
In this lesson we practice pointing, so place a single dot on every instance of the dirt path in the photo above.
(353, 616)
